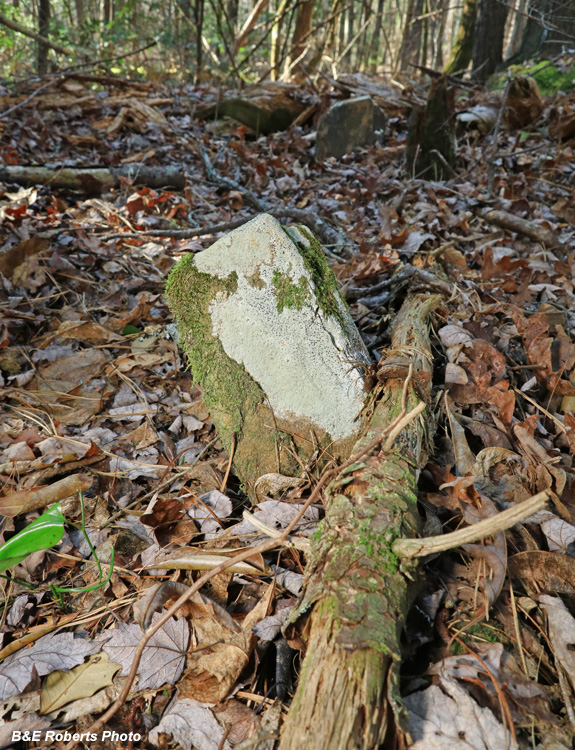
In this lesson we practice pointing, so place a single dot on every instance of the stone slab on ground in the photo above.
(347, 125)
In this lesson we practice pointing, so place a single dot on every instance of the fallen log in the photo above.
(94, 180)
(357, 591)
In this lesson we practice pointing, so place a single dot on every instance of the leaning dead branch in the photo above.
(411, 548)
(356, 591)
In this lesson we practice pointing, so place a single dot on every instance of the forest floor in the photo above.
(96, 397)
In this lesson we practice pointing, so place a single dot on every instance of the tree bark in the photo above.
(519, 25)
(488, 39)
(430, 150)
(410, 45)
(375, 56)
(251, 21)
(356, 594)
(43, 31)
(462, 51)
(300, 40)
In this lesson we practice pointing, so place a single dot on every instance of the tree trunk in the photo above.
(199, 24)
(411, 43)
(462, 51)
(80, 13)
(550, 27)
(430, 150)
(438, 61)
(375, 57)
(300, 39)
(519, 25)
(488, 40)
(356, 595)
(251, 20)
(43, 31)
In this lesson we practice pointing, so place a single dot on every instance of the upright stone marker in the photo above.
(347, 125)
(272, 346)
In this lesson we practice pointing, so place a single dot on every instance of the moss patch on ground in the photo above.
(550, 78)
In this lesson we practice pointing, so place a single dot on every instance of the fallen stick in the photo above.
(411, 548)
(536, 232)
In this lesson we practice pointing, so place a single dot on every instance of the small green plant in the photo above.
(43, 533)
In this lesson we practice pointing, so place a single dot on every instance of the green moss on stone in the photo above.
(228, 390)
(256, 280)
(288, 293)
(323, 277)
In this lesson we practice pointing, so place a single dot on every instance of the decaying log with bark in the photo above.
(266, 109)
(357, 591)
(95, 180)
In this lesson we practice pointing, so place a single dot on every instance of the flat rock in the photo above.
(347, 125)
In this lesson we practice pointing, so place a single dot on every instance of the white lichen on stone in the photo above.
(308, 362)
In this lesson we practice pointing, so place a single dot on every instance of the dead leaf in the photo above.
(83, 681)
(163, 658)
(221, 653)
(561, 624)
(445, 717)
(53, 651)
(191, 725)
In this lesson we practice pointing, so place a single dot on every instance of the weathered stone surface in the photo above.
(348, 125)
(271, 343)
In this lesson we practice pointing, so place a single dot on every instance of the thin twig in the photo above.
(229, 467)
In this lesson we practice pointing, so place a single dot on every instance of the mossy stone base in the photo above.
(272, 346)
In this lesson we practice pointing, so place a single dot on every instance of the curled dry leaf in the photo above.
(220, 654)
(274, 484)
(192, 558)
